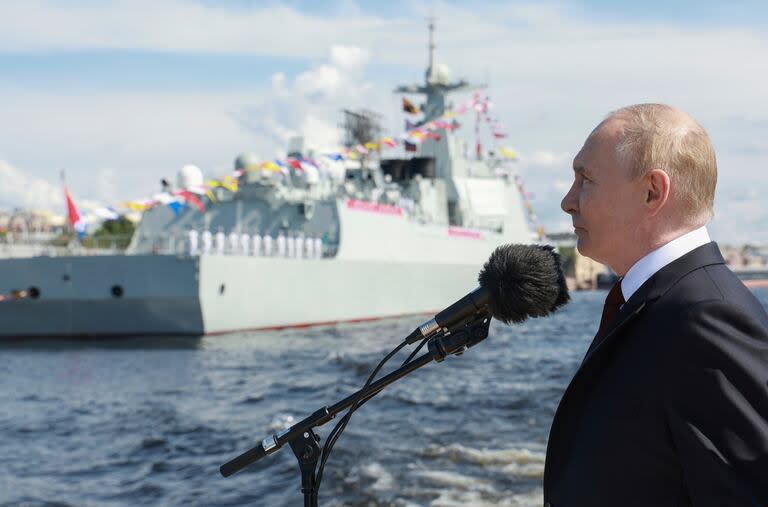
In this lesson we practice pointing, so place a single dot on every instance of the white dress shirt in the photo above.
(646, 267)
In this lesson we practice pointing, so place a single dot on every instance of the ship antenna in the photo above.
(430, 68)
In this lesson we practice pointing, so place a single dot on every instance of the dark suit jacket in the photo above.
(671, 408)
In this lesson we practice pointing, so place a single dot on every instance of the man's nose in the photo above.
(569, 202)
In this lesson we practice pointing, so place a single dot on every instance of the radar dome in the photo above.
(189, 176)
(439, 74)
(442, 74)
(246, 161)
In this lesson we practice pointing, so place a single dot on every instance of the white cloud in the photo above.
(119, 146)
(310, 104)
(21, 189)
(349, 57)
(173, 25)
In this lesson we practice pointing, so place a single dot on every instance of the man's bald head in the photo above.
(657, 136)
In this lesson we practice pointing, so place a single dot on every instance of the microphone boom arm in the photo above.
(453, 342)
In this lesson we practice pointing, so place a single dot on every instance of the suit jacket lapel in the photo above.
(656, 286)
(625, 315)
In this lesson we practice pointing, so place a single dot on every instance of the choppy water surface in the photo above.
(149, 421)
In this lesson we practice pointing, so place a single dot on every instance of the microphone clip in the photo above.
(460, 338)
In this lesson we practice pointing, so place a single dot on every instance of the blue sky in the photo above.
(121, 94)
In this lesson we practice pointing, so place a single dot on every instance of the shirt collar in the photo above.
(647, 266)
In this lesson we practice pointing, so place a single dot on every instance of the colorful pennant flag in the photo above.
(189, 197)
(509, 153)
(408, 107)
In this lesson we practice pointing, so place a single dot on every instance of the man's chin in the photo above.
(582, 247)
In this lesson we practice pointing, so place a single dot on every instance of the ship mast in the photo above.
(436, 85)
(431, 48)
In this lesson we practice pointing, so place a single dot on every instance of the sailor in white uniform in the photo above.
(245, 243)
(219, 239)
(256, 242)
(267, 240)
(318, 247)
(207, 241)
(299, 245)
(192, 237)
(309, 247)
(234, 242)
(281, 244)
(291, 241)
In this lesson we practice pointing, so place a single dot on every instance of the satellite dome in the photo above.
(246, 161)
(189, 176)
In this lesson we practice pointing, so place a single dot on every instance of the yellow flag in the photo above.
(509, 153)
(270, 166)
(229, 183)
(135, 206)
(371, 146)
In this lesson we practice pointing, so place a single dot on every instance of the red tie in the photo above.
(613, 302)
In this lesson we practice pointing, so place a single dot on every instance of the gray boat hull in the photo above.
(169, 295)
(159, 296)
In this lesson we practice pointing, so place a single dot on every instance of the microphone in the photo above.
(517, 282)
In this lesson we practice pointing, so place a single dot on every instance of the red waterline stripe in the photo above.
(305, 325)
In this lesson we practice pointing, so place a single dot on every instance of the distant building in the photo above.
(21, 221)
(587, 271)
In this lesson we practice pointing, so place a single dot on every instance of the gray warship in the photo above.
(386, 236)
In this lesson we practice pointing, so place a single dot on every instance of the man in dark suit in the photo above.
(670, 405)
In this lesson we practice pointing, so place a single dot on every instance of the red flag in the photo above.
(190, 197)
(433, 135)
(296, 164)
(74, 215)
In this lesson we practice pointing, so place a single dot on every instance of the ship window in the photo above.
(221, 288)
(34, 292)
(117, 291)
(406, 169)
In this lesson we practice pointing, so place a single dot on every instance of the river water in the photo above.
(148, 421)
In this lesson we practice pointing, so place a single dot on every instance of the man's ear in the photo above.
(657, 187)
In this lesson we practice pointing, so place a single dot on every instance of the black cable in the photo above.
(416, 351)
(336, 432)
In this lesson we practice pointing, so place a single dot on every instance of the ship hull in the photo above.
(157, 295)
(167, 295)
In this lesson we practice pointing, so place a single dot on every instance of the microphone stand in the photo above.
(304, 441)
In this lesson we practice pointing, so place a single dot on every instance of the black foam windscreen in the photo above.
(523, 281)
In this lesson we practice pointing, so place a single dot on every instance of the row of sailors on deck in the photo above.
(292, 246)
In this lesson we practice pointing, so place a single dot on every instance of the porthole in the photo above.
(117, 291)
